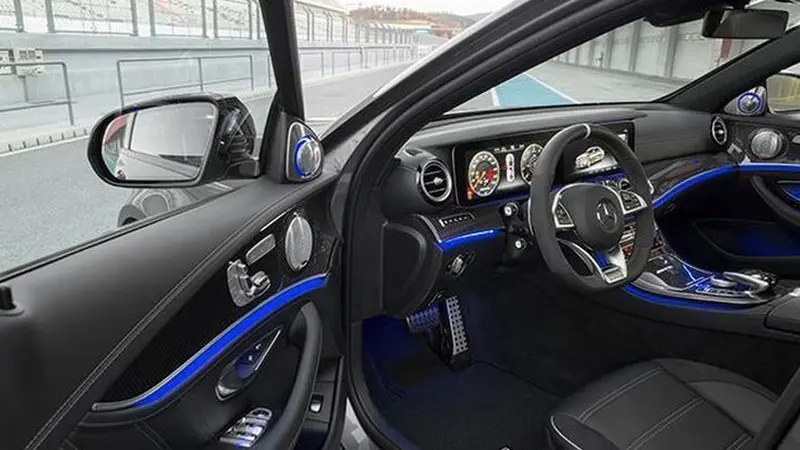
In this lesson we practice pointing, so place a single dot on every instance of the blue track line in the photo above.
(524, 90)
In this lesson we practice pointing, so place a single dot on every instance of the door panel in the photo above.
(88, 316)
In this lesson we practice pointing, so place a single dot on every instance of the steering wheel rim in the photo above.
(588, 229)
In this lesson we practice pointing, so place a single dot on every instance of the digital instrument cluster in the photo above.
(492, 170)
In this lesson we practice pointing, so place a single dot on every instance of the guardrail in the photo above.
(361, 57)
(201, 83)
(389, 55)
(67, 91)
(363, 53)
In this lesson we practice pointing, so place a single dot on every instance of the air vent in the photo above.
(435, 181)
(719, 131)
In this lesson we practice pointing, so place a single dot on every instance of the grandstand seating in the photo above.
(6, 8)
(185, 18)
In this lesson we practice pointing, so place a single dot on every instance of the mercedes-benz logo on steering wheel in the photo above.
(606, 214)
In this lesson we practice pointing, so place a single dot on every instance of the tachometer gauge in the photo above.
(528, 160)
(483, 174)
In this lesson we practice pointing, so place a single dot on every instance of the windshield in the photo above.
(633, 63)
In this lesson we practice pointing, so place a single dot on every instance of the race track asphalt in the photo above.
(50, 199)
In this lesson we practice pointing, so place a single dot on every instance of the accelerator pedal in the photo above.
(453, 345)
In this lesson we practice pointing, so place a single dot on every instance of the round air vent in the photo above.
(435, 181)
(766, 143)
(719, 131)
(299, 243)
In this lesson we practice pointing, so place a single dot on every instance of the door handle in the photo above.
(240, 372)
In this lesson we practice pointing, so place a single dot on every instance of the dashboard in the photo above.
(486, 171)
(454, 201)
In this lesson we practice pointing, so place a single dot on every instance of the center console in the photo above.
(668, 275)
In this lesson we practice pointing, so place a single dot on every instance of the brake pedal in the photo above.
(424, 319)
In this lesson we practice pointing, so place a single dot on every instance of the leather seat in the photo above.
(664, 404)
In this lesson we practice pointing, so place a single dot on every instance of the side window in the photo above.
(66, 63)
(69, 62)
(783, 90)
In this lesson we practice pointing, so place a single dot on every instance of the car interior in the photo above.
(518, 313)
(589, 276)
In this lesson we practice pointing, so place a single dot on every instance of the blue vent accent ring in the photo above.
(223, 342)
(296, 154)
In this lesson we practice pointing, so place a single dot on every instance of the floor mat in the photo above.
(479, 407)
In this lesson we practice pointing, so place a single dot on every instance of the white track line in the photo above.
(495, 99)
(567, 97)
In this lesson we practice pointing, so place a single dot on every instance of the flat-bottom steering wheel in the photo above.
(589, 218)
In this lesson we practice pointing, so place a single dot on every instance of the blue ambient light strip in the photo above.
(455, 241)
(674, 301)
(228, 337)
(791, 189)
(674, 191)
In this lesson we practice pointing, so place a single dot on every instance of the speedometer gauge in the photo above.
(528, 160)
(483, 174)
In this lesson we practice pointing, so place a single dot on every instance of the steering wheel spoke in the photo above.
(609, 265)
(561, 216)
(631, 202)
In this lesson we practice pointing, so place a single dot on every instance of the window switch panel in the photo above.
(248, 429)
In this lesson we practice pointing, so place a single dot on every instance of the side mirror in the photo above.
(783, 92)
(178, 141)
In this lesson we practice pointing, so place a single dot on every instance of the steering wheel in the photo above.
(589, 218)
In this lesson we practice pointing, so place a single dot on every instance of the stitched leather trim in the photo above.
(562, 436)
(613, 395)
(664, 423)
(738, 443)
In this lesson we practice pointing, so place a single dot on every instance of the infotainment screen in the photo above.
(499, 169)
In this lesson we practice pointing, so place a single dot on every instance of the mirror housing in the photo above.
(180, 141)
(745, 23)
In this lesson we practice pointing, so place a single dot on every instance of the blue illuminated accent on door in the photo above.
(792, 190)
(228, 338)
(461, 239)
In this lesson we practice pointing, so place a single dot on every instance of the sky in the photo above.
(461, 7)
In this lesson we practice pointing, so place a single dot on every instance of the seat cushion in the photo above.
(663, 404)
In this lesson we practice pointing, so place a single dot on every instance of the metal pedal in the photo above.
(453, 343)
(424, 319)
